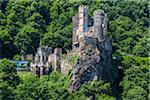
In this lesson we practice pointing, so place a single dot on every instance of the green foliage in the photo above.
(6, 91)
(24, 23)
(129, 61)
(26, 76)
(53, 87)
(52, 21)
(53, 40)
(142, 47)
(136, 78)
(8, 72)
(137, 93)
(22, 42)
(105, 97)
(26, 90)
(8, 79)
(95, 89)
(5, 44)
(17, 57)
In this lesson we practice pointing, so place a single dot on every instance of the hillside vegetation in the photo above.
(24, 23)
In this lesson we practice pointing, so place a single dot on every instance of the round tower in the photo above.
(100, 24)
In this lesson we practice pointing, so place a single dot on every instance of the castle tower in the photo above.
(80, 25)
(100, 24)
(83, 18)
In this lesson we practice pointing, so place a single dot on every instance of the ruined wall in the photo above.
(46, 61)
(75, 20)
(57, 59)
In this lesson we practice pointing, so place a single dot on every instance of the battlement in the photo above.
(89, 27)
(99, 13)
(83, 8)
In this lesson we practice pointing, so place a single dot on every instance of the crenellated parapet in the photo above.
(100, 24)
(84, 26)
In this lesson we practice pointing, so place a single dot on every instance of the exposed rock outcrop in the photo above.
(94, 63)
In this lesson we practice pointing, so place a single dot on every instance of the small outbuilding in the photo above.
(22, 65)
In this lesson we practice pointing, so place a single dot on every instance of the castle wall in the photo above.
(57, 59)
(75, 20)
(83, 18)
(86, 26)
(90, 21)
(45, 61)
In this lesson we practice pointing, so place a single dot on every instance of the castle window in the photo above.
(77, 45)
(103, 25)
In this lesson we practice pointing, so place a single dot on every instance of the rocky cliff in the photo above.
(94, 62)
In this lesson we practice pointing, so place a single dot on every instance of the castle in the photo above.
(86, 30)
(90, 41)
(84, 26)
(46, 60)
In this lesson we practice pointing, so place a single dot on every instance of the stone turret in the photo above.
(100, 24)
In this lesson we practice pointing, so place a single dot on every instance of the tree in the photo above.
(17, 57)
(45, 87)
(37, 21)
(26, 90)
(95, 90)
(3, 4)
(137, 93)
(16, 16)
(6, 91)
(23, 43)
(3, 20)
(32, 35)
(142, 48)
(6, 45)
(135, 76)
(53, 40)
(8, 79)
(25, 22)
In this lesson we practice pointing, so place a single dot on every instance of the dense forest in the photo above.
(26, 24)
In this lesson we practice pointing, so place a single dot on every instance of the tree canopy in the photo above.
(24, 24)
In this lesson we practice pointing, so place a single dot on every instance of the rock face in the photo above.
(94, 48)
(94, 63)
